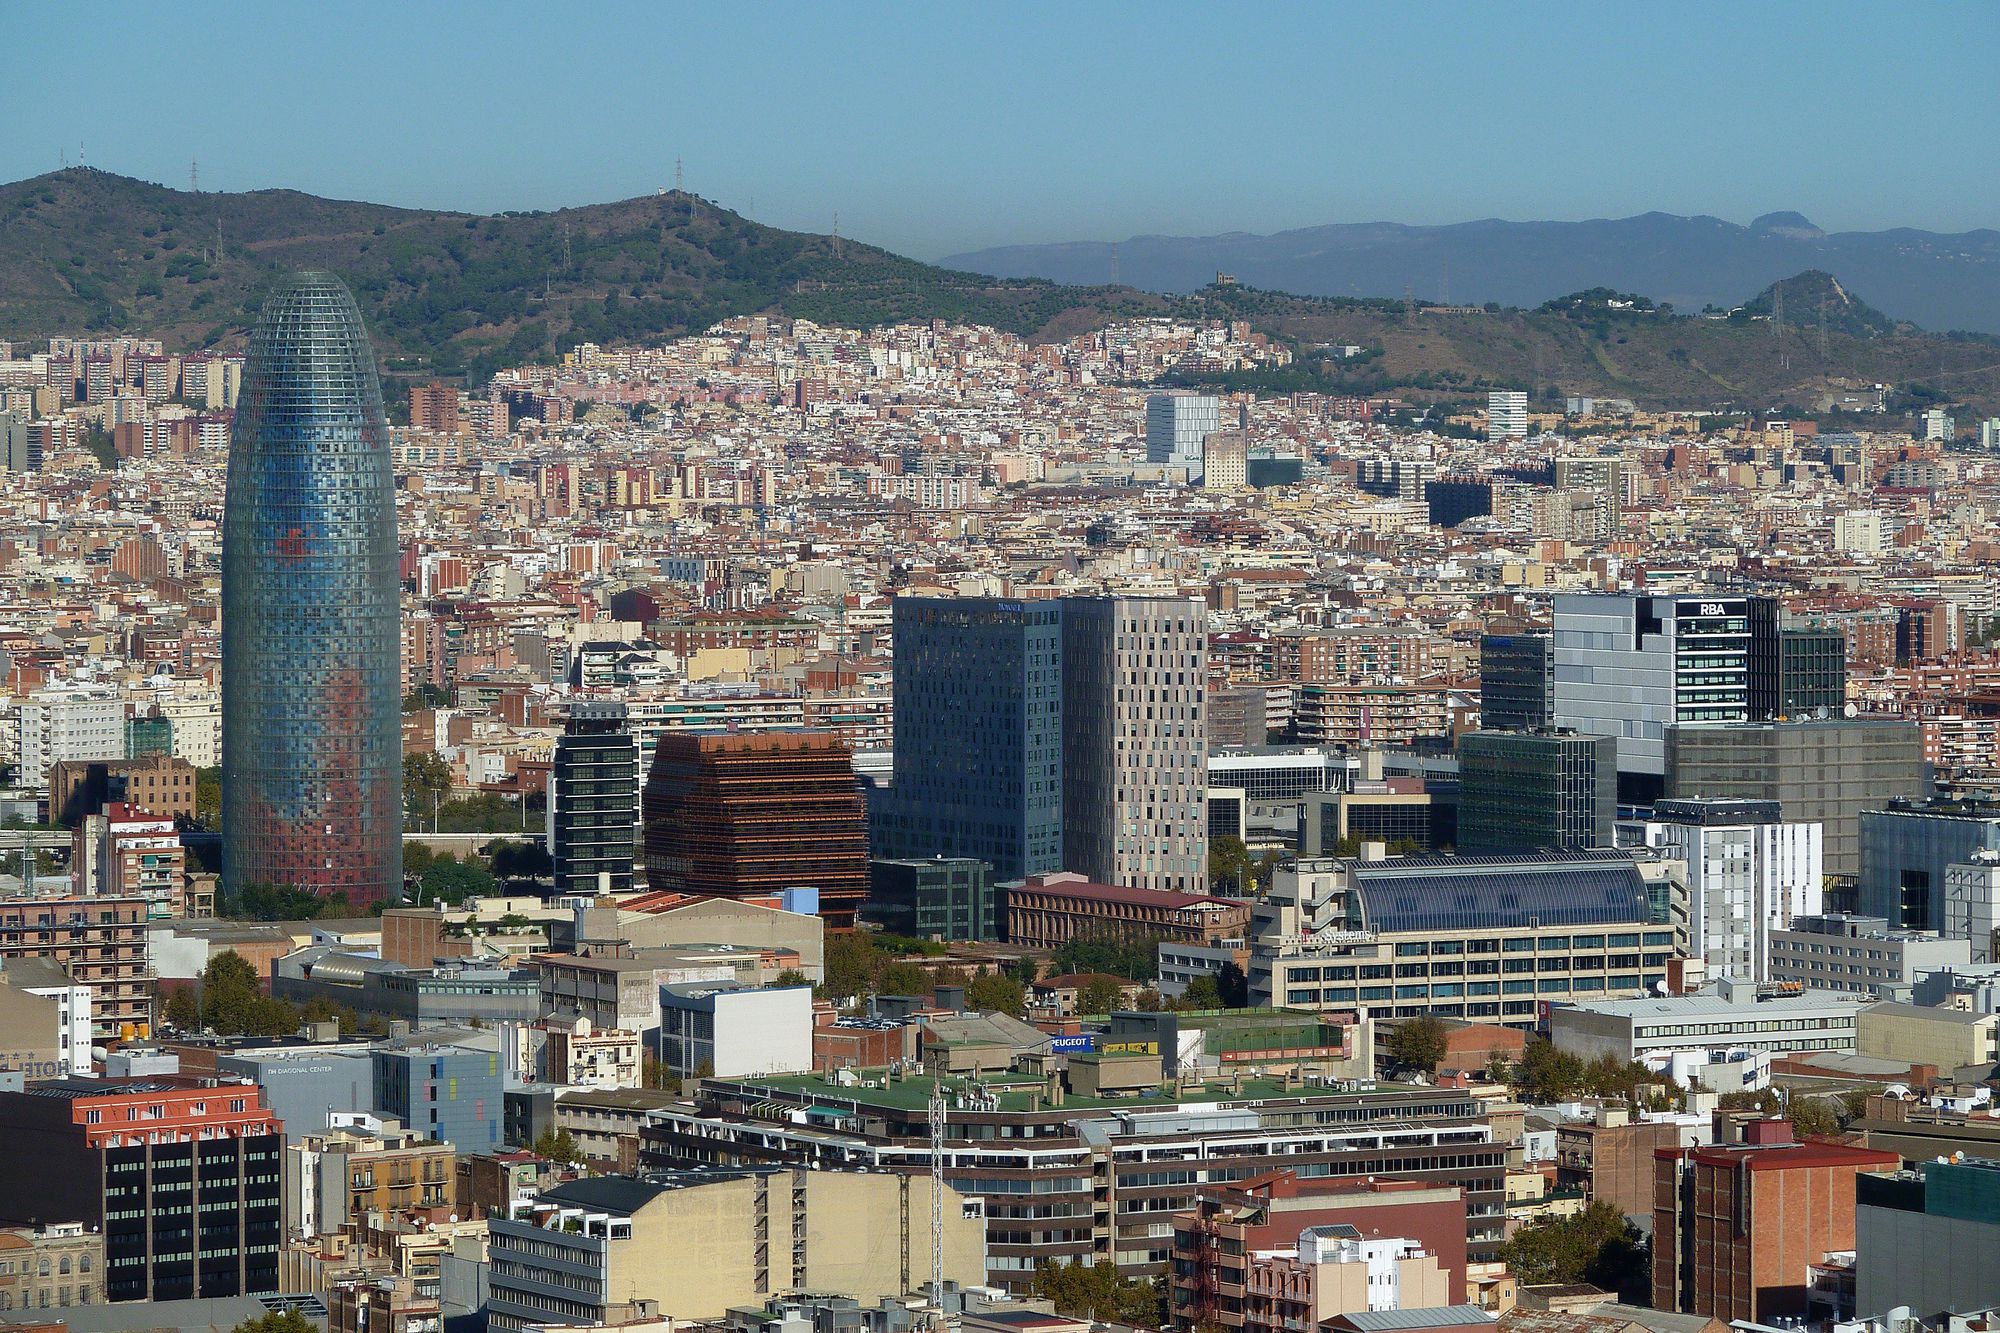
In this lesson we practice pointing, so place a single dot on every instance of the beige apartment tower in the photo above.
(1135, 741)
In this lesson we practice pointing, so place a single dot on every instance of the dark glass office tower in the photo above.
(311, 739)
(596, 808)
(1517, 681)
(1535, 790)
(979, 734)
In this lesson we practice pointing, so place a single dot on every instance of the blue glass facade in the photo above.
(311, 656)
(978, 734)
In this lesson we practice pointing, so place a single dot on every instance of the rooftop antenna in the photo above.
(194, 175)
(937, 1114)
(677, 175)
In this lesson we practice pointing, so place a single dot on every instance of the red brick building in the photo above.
(1737, 1227)
(1048, 911)
(1210, 1266)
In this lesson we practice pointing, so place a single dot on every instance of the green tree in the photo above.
(425, 696)
(1099, 996)
(1813, 1117)
(1096, 1291)
(520, 859)
(901, 978)
(997, 992)
(1232, 986)
(278, 1321)
(281, 902)
(852, 965)
(1201, 994)
(233, 1003)
(208, 796)
(1135, 960)
(449, 880)
(322, 1010)
(791, 976)
(559, 1145)
(426, 781)
(417, 858)
(1418, 1044)
(98, 441)
(1597, 1246)
(1547, 1075)
(184, 1010)
(1228, 865)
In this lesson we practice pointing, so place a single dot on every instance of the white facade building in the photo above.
(731, 1031)
(1972, 904)
(1858, 532)
(1507, 414)
(1176, 424)
(1748, 872)
(69, 724)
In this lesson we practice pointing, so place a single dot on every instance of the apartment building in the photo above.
(697, 1243)
(1096, 1179)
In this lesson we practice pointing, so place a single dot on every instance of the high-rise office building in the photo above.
(1177, 423)
(1750, 873)
(1517, 681)
(978, 734)
(1536, 790)
(182, 1175)
(1507, 414)
(594, 799)
(311, 652)
(1823, 773)
(1134, 741)
(1794, 672)
(1632, 666)
(751, 814)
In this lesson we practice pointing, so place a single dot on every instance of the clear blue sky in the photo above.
(944, 126)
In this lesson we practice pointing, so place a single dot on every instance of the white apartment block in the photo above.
(1507, 414)
(70, 724)
(1749, 875)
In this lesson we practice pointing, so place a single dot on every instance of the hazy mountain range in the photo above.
(1939, 282)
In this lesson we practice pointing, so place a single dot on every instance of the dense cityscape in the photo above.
(1152, 822)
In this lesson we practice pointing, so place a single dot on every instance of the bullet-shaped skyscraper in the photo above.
(311, 739)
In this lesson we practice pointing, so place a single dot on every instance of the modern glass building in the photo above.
(595, 810)
(1517, 681)
(312, 739)
(1177, 423)
(1528, 790)
(978, 734)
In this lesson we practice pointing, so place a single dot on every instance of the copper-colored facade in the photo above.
(748, 815)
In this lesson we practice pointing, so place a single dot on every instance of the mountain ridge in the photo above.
(1929, 279)
(457, 295)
